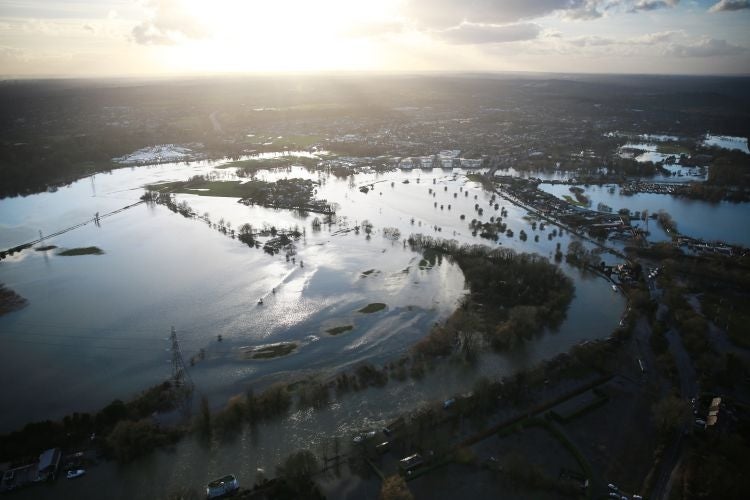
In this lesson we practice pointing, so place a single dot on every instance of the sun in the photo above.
(284, 35)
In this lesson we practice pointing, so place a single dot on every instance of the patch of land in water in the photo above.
(81, 251)
(372, 308)
(337, 330)
(10, 301)
(283, 193)
(252, 165)
(45, 248)
(270, 351)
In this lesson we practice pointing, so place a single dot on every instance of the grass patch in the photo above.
(45, 248)
(283, 193)
(231, 189)
(81, 251)
(271, 351)
(372, 308)
(337, 330)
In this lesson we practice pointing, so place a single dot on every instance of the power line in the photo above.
(6, 338)
(69, 336)
(181, 378)
(77, 346)
(80, 327)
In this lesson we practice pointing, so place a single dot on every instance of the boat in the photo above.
(260, 302)
(222, 487)
(74, 473)
(614, 288)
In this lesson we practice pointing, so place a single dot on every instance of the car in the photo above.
(383, 447)
(361, 438)
(408, 464)
(613, 487)
(222, 487)
(74, 473)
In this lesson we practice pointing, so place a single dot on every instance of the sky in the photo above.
(100, 38)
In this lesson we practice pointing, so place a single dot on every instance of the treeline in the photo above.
(730, 169)
(513, 296)
(10, 301)
(113, 428)
(43, 163)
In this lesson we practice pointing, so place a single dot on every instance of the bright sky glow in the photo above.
(166, 37)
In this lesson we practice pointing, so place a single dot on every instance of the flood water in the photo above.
(725, 221)
(96, 327)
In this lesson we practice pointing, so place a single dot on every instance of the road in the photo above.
(688, 389)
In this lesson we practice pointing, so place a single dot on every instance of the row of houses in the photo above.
(44, 469)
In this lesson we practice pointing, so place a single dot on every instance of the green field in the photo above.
(232, 189)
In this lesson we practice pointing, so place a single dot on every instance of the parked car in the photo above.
(74, 473)
(410, 463)
(223, 486)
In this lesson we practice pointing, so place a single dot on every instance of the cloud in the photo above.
(444, 14)
(585, 13)
(706, 47)
(658, 37)
(729, 5)
(591, 41)
(168, 23)
(468, 33)
(646, 40)
(441, 14)
(653, 5)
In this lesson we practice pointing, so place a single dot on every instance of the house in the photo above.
(49, 462)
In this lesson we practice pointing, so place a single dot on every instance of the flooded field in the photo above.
(724, 220)
(98, 324)
(727, 142)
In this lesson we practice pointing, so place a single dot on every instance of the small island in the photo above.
(269, 351)
(372, 308)
(71, 252)
(338, 330)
